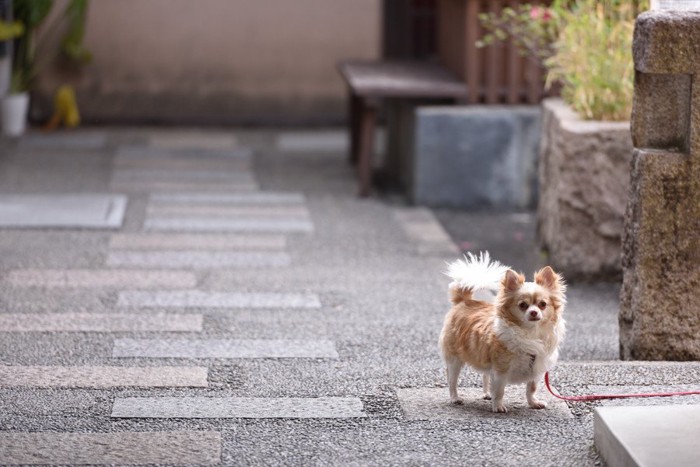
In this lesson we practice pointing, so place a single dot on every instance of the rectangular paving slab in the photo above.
(146, 152)
(133, 448)
(656, 436)
(204, 210)
(175, 175)
(267, 197)
(100, 322)
(90, 211)
(99, 278)
(174, 241)
(157, 186)
(217, 224)
(197, 259)
(183, 163)
(434, 403)
(64, 141)
(421, 226)
(326, 141)
(192, 141)
(202, 299)
(237, 407)
(100, 377)
(224, 348)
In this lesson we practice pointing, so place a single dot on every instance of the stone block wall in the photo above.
(583, 186)
(660, 299)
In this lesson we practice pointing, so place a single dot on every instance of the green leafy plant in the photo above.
(593, 58)
(30, 15)
(72, 43)
(533, 29)
(585, 45)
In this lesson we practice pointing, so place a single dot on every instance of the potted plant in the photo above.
(29, 16)
(585, 145)
(13, 107)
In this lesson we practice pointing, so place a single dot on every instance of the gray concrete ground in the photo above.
(252, 311)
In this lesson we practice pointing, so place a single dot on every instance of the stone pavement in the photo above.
(250, 310)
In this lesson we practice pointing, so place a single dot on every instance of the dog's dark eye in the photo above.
(542, 305)
(523, 306)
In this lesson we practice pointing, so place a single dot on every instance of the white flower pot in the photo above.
(14, 109)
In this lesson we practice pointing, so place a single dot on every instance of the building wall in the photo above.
(220, 61)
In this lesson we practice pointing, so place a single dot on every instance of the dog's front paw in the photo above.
(487, 397)
(457, 401)
(536, 404)
(499, 407)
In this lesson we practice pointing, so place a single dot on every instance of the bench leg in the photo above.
(354, 116)
(368, 122)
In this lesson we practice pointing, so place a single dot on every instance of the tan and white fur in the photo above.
(513, 340)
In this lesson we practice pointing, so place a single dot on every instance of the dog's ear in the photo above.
(512, 281)
(546, 277)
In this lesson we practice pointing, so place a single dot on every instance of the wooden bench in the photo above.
(369, 82)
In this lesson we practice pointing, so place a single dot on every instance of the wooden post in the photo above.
(474, 84)
(494, 70)
(514, 68)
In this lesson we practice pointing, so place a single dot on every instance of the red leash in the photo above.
(596, 397)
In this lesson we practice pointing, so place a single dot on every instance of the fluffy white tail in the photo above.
(474, 273)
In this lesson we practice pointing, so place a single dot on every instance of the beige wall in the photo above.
(221, 61)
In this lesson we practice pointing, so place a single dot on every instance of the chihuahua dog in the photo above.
(513, 340)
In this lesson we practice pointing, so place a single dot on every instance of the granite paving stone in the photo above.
(328, 141)
(238, 407)
(79, 210)
(100, 322)
(174, 241)
(261, 198)
(434, 404)
(183, 164)
(264, 211)
(133, 448)
(98, 278)
(421, 226)
(197, 259)
(224, 348)
(192, 140)
(101, 376)
(203, 299)
(79, 140)
(312, 141)
(174, 175)
(156, 186)
(216, 224)
(126, 152)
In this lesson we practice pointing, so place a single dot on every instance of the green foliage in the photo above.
(72, 43)
(586, 45)
(533, 29)
(593, 58)
(10, 30)
(31, 14)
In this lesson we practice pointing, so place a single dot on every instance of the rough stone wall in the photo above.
(583, 186)
(660, 298)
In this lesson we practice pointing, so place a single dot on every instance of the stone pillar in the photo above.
(660, 298)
